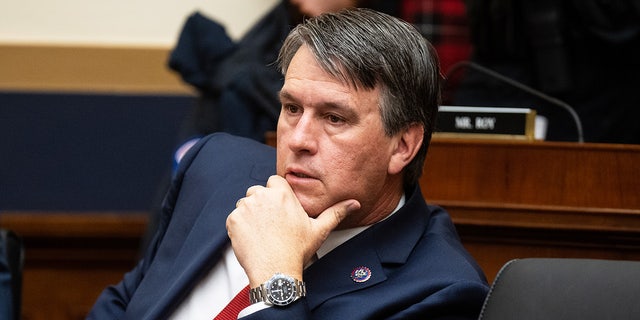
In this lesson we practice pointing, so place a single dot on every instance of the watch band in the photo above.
(262, 294)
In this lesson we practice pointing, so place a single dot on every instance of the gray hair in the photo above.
(366, 48)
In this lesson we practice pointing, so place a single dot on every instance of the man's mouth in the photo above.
(300, 175)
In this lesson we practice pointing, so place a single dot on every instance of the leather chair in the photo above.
(11, 263)
(550, 289)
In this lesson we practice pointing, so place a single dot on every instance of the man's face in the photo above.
(331, 142)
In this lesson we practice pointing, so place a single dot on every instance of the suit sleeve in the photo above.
(460, 301)
(113, 301)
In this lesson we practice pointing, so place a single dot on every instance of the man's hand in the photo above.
(270, 231)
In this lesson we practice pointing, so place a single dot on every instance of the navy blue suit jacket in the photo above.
(419, 268)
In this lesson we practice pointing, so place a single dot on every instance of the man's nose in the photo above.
(304, 135)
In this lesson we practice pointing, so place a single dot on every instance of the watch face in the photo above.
(281, 290)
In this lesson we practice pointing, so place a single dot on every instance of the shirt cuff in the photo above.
(252, 309)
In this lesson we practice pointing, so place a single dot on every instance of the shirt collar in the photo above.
(338, 237)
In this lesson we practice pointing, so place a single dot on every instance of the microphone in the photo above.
(521, 86)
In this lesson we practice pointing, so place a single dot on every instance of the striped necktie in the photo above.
(239, 302)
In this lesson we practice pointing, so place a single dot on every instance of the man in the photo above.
(342, 229)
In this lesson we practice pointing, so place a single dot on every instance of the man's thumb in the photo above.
(330, 218)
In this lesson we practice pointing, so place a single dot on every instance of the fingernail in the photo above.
(353, 205)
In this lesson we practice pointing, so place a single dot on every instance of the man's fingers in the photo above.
(274, 181)
(251, 190)
(332, 216)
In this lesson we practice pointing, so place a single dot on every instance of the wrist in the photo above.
(279, 290)
(256, 278)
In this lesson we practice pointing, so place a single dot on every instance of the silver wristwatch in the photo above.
(280, 290)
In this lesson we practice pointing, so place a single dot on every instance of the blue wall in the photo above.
(87, 151)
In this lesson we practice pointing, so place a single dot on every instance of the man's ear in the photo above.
(408, 145)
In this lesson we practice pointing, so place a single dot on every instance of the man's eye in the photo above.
(292, 108)
(334, 119)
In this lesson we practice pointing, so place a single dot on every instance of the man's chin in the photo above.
(311, 212)
(313, 203)
(312, 209)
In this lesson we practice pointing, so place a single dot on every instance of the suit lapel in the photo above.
(388, 242)
(177, 267)
(203, 246)
(331, 275)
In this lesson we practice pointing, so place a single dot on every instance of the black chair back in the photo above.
(553, 289)
(11, 263)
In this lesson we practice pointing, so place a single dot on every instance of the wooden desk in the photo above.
(508, 200)
(513, 199)
(71, 257)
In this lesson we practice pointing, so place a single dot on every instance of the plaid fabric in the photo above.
(444, 23)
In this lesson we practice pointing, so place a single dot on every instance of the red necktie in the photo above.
(239, 302)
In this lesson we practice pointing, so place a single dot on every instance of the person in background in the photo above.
(331, 224)
(443, 22)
